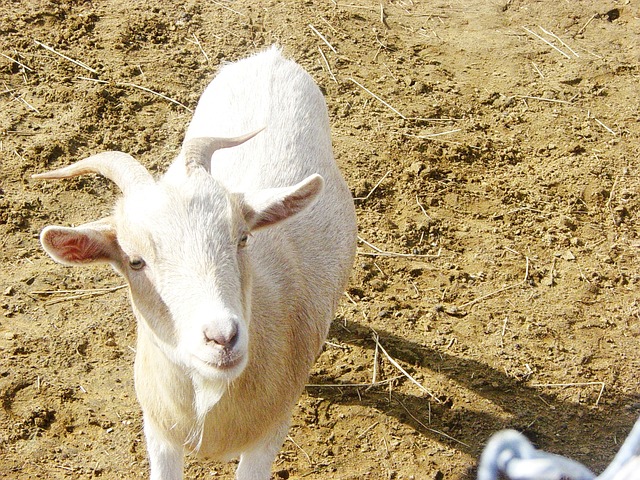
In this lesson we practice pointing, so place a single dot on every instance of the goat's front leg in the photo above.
(166, 459)
(255, 464)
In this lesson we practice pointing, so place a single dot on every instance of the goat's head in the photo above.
(183, 245)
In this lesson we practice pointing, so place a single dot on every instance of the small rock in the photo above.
(10, 336)
(567, 222)
(9, 291)
(377, 285)
(619, 214)
(612, 15)
(503, 101)
(568, 256)
(416, 167)
(571, 80)
(548, 281)
(420, 88)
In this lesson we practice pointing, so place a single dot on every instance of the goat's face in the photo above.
(183, 245)
(184, 254)
(185, 257)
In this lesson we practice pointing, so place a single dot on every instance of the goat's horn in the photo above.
(119, 167)
(197, 151)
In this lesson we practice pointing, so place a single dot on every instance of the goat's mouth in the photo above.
(226, 362)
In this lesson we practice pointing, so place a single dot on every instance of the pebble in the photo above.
(419, 87)
(416, 167)
(547, 281)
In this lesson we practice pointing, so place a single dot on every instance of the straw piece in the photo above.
(612, 132)
(432, 135)
(196, 41)
(76, 62)
(381, 253)
(546, 41)
(17, 62)
(577, 384)
(148, 90)
(327, 65)
(403, 371)
(542, 99)
(378, 98)
(228, 8)
(431, 429)
(322, 38)
(586, 24)
(374, 188)
(560, 40)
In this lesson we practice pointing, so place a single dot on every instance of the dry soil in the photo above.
(492, 147)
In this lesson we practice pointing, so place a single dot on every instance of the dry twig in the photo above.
(402, 370)
(17, 62)
(374, 188)
(382, 253)
(560, 40)
(326, 63)
(196, 41)
(433, 135)
(148, 90)
(429, 428)
(76, 62)
(378, 98)
(314, 30)
(577, 384)
(501, 290)
(586, 24)
(355, 385)
(542, 99)
(547, 42)
(77, 293)
(301, 449)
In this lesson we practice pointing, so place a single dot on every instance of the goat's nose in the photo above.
(223, 336)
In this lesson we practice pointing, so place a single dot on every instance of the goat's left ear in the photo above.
(266, 207)
(88, 243)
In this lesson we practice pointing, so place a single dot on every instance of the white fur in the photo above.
(227, 333)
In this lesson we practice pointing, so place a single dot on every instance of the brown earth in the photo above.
(503, 173)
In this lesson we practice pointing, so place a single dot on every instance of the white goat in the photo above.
(234, 271)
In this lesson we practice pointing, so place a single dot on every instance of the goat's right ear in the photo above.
(272, 205)
(88, 243)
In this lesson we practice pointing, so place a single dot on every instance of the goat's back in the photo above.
(268, 90)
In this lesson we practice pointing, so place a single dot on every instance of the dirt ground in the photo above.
(492, 147)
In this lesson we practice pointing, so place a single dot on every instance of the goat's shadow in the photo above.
(550, 423)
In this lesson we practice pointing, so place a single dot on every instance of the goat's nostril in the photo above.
(223, 337)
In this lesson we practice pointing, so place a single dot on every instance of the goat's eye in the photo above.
(136, 263)
(242, 241)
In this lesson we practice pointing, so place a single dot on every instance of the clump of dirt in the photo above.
(495, 177)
